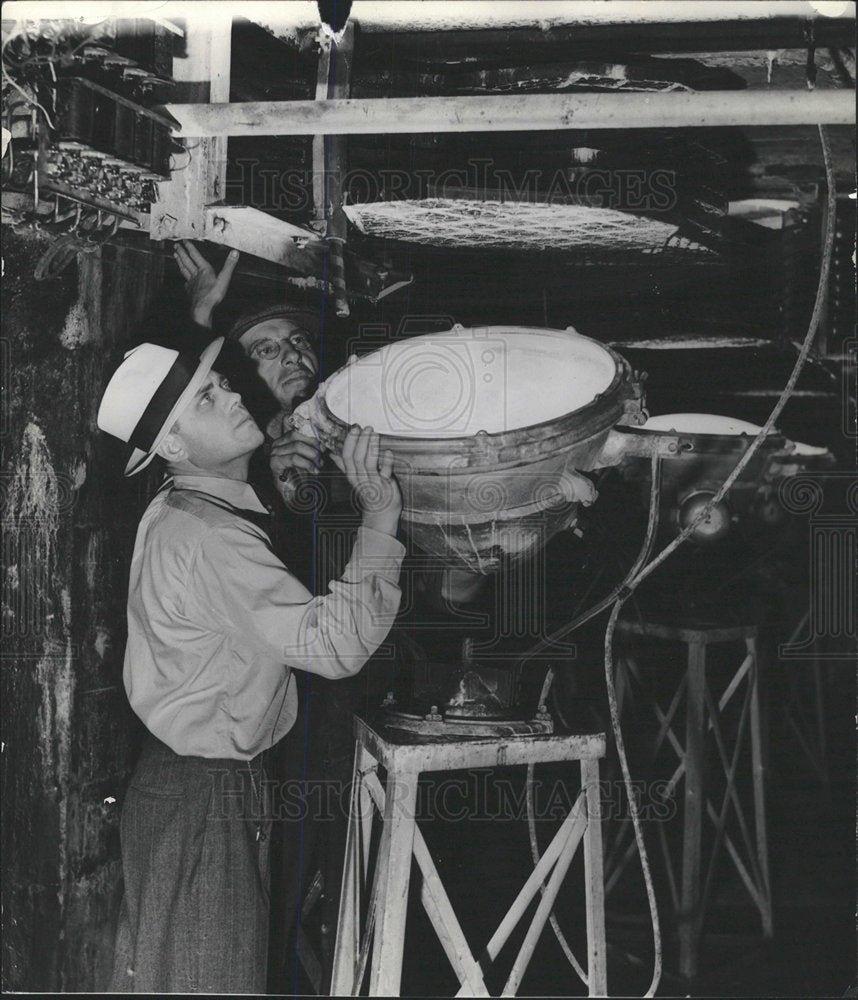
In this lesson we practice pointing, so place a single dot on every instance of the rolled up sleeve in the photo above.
(239, 585)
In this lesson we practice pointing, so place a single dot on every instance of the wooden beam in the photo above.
(519, 113)
(380, 16)
(247, 229)
(602, 41)
(298, 250)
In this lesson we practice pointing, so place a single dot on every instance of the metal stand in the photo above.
(705, 718)
(374, 917)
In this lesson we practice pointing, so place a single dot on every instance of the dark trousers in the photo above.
(306, 841)
(194, 917)
(315, 761)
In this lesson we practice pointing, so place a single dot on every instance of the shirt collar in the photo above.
(234, 491)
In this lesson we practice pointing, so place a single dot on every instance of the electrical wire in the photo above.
(642, 556)
(633, 580)
(788, 388)
(30, 100)
(813, 326)
(187, 163)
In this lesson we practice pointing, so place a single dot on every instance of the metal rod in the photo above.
(540, 918)
(570, 833)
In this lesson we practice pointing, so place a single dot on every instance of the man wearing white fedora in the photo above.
(216, 625)
(282, 340)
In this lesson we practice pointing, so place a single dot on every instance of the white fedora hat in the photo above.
(147, 394)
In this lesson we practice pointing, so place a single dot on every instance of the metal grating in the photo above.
(595, 233)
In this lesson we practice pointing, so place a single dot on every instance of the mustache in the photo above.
(298, 368)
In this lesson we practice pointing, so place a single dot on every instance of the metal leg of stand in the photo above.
(354, 872)
(394, 860)
(594, 882)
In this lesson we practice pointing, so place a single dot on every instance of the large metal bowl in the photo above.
(490, 429)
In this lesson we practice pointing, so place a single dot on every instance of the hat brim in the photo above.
(310, 319)
(140, 459)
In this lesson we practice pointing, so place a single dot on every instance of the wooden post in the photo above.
(323, 79)
(179, 212)
(329, 164)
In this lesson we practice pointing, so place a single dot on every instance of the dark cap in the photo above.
(309, 319)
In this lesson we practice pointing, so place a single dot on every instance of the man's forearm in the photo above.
(339, 632)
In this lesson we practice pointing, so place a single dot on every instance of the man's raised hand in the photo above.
(293, 456)
(205, 288)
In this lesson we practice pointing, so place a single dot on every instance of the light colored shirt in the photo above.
(216, 622)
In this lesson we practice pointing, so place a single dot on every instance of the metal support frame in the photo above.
(372, 917)
(704, 717)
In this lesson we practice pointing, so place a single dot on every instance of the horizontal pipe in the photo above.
(519, 113)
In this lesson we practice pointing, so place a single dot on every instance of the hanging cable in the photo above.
(828, 244)
(635, 577)
(643, 555)
(803, 353)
